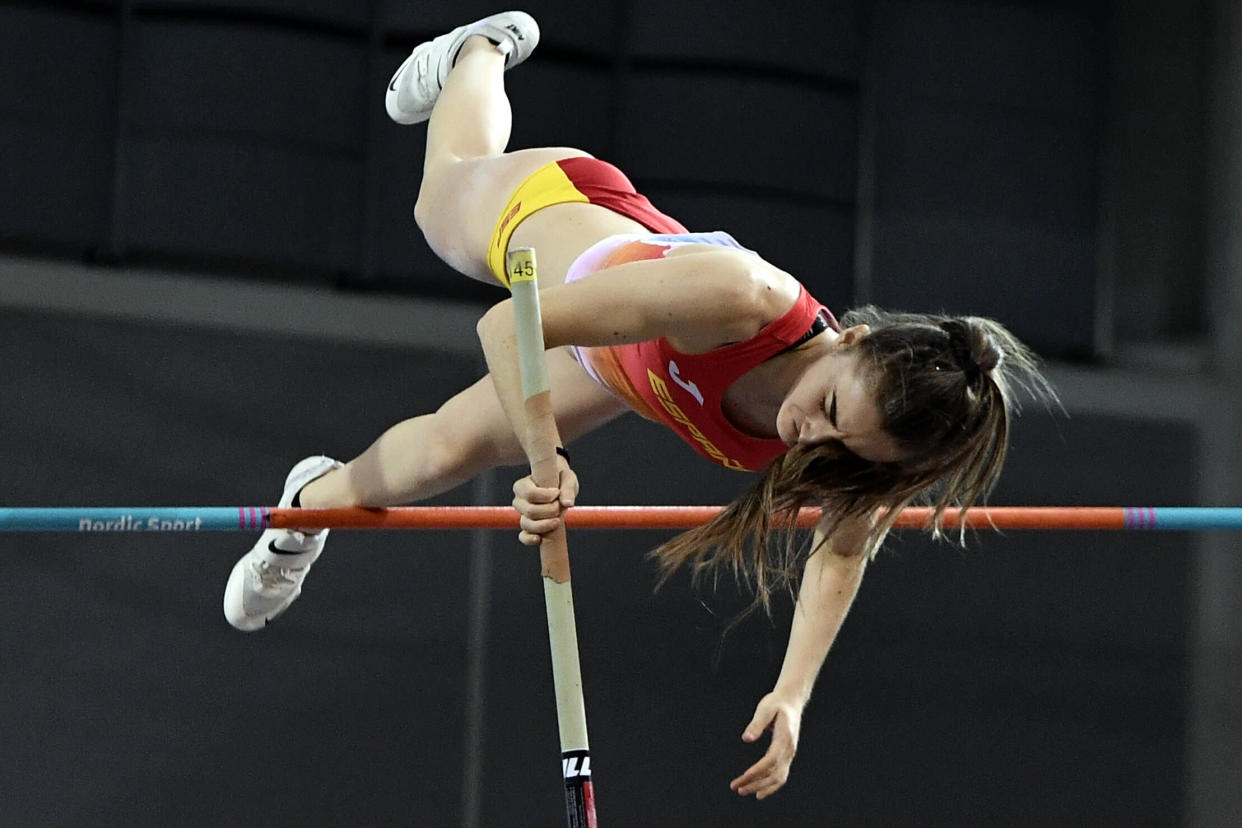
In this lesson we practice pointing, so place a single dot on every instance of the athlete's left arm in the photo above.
(727, 293)
(830, 581)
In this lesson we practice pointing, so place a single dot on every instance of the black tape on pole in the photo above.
(579, 795)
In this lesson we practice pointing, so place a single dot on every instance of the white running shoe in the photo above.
(269, 577)
(413, 90)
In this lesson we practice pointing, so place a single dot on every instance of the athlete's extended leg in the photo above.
(413, 460)
(426, 455)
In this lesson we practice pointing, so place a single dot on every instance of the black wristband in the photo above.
(561, 450)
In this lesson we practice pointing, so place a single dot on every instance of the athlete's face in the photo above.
(832, 400)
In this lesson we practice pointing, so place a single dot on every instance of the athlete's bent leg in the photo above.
(467, 175)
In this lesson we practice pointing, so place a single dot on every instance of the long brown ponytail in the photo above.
(945, 387)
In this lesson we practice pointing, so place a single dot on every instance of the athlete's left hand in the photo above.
(784, 719)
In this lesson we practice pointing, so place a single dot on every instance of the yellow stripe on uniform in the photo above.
(545, 187)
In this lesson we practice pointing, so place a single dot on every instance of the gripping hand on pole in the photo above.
(541, 507)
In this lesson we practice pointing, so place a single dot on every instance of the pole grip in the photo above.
(541, 451)
(553, 550)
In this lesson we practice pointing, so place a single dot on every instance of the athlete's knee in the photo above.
(437, 229)
(436, 213)
(424, 211)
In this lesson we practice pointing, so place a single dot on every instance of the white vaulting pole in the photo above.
(554, 550)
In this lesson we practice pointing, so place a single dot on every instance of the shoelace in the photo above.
(426, 77)
(273, 576)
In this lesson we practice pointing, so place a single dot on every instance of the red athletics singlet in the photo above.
(685, 391)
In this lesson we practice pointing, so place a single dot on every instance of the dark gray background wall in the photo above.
(1067, 168)
(1026, 680)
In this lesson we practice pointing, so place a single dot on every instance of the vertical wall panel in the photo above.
(247, 81)
(236, 154)
(810, 241)
(733, 131)
(244, 202)
(561, 103)
(985, 166)
(812, 38)
(57, 112)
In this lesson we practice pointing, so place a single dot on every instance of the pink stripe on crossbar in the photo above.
(253, 517)
(1140, 517)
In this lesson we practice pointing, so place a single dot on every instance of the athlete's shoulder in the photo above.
(777, 290)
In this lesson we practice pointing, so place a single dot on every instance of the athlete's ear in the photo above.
(852, 335)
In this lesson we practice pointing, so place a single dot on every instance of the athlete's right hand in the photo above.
(541, 508)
